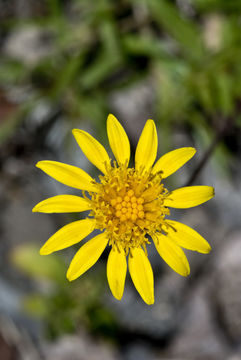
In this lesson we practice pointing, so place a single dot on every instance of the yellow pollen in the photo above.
(123, 218)
(141, 214)
(130, 193)
(118, 206)
(149, 216)
(113, 202)
(118, 213)
(133, 217)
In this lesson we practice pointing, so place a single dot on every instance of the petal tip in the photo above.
(207, 250)
(184, 272)
(38, 164)
(69, 277)
(44, 251)
(118, 296)
(111, 117)
(152, 123)
(193, 150)
(41, 164)
(75, 131)
(150, 301)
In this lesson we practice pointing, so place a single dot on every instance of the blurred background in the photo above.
(67, 64)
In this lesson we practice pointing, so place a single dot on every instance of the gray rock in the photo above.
(134, 106)
(198, 337)
(236, 356)
(139, 350)
(28, 44)
(227, 287)
(79, 347)
(226, 203)
(155, 321)
(9, 299)
(19, 213)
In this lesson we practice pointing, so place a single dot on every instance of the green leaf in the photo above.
(217, 5)
(224, 93)
(36, 305)
(26, 257)
(67, 75)
(185, 32)
(145, 46)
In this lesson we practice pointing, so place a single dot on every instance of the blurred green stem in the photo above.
(226, 126)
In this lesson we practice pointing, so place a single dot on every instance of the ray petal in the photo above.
(189, 196)
(173, 160)
(68, 175)
(186, 237)
(87, 256)
(68, 235)
(172, 254)
(146, 150)
(92, 149)
(142, 275)
(118, 140)
(116, 272)
(62, 204)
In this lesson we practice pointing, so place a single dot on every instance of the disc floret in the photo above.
(129, 205)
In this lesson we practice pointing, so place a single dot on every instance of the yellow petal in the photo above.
(92, 149)
(173, 160)
(116, 272)
(68, 175)
(147, 147)
(87, 256)
(62, 204)
(189, 196)
(118, 140)
(68, 235)
(187, 237)
(142, 275)
(172, 254)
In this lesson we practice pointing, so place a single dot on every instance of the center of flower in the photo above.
(129, 206)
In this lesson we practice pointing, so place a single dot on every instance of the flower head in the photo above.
(128, 205)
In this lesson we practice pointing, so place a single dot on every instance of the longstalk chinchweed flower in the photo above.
(128, 205)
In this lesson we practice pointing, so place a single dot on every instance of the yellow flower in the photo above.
(128, 205)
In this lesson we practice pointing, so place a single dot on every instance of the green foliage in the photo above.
(193, 58)
(27, 258)
(99, 40)
(63, 306)
(185, 32)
